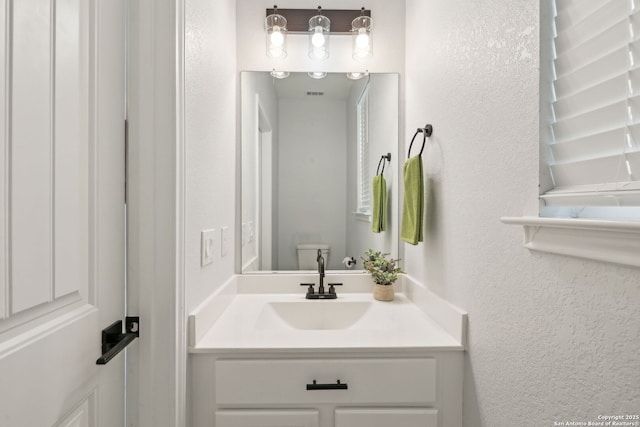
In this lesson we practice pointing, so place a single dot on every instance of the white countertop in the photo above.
(385, 326)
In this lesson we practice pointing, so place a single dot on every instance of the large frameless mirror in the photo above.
(310, 150)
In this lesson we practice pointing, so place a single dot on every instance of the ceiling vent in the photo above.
(314, 93)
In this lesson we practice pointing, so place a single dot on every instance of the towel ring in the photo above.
(382, 160)
(426, 132)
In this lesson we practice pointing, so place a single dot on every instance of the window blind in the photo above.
(594, 157)
(364, 175)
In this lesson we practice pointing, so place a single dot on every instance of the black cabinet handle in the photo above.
(337, 386)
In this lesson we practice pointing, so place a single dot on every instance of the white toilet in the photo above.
(308, 255)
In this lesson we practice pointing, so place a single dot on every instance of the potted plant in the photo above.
(383, 271)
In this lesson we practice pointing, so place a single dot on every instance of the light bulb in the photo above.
(362, 39)
(317, 40)
(277, 39)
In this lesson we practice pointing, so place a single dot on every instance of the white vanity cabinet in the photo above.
(267, 418)
(369, 417)
(398, 389)
(276, 359)
(388, 417)
(336, 381)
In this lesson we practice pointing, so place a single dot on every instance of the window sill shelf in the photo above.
(362, 216)
(609, 241)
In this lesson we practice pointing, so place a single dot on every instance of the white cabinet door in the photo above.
(61, 210)
(267, 418)
(396, 417)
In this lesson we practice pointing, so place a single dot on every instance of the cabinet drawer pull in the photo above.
(337, 386)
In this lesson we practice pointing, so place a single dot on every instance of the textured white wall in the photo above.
(210, 128)
(311, 180)
(551, 338)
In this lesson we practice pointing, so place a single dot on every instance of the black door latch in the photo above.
(114, 340)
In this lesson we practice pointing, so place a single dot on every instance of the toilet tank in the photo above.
(308, 255)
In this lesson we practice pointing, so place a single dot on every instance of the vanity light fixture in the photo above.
(361, 34)
(319, 27)
(318, 74)
(276, 27)
(280, 74)
(357, 75)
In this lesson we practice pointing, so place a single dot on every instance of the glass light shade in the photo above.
(276, 28)
(357, 75)
(361, 34)
(319, 27)
(318, 74)
(280, 74)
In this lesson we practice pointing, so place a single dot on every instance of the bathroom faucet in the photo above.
(320, 260)
(311, 294)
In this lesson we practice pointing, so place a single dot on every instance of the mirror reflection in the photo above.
(310, 151)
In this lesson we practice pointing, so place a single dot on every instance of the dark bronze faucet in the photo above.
(320, 260)
(311, 294)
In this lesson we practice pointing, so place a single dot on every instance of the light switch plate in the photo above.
(224, 250)
(208, 244)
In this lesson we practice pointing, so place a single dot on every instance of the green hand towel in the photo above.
(413, 206)
(379, 204)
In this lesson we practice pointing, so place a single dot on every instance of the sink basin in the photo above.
(312, 315)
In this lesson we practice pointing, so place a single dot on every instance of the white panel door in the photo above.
(62, 214)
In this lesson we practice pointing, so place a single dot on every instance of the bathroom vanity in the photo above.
(263, 355)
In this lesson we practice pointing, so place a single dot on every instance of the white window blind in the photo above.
(594, 157)
(364, 174)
